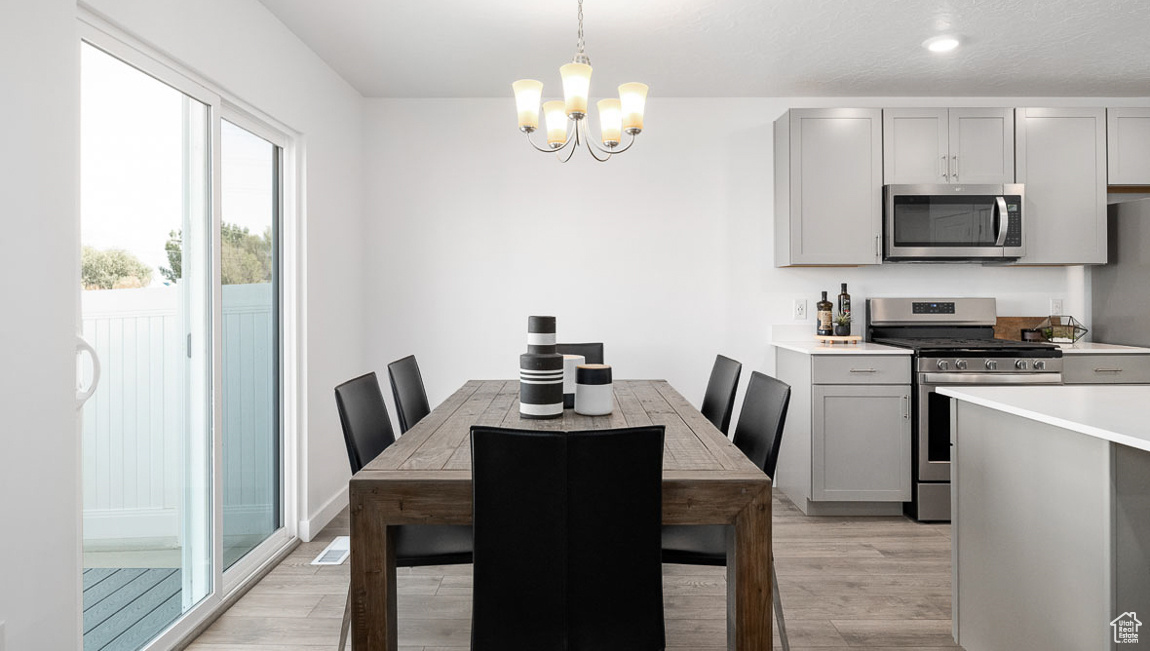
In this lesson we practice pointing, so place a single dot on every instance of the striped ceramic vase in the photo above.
(541, 371)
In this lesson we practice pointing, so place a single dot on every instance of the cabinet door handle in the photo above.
(878, 246)
(906, 407)
(955, 173)
(942, 166)
(1107, 370)
(863, 370)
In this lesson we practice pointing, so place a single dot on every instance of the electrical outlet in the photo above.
(800, 310)
(1056, 306)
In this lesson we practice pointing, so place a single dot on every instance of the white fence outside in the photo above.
(133, 426)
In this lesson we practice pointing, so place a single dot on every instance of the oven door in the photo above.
(933, 433)
(952, 222)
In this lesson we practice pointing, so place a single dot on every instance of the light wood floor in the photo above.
(846, 583)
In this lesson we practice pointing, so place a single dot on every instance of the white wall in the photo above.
(664, 253)
(240, 47)
(39, 459)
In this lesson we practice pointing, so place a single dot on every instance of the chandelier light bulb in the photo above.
(576, 88)
(556, 115)
(610, 121)
(633, 97)
(527, 94)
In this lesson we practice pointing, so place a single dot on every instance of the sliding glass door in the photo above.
(182, 438)
(250, 172)
(146, 311)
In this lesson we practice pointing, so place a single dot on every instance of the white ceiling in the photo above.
(726, 48)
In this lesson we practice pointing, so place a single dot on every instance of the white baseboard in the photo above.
(311, 527)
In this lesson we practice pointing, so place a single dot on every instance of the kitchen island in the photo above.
(1051, 515)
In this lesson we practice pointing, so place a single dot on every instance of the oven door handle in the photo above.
(990, 378)
(1003, 220)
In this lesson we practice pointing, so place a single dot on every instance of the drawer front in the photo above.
(860, 369)
(1106, 369)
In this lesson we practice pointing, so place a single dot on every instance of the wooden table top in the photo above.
(694, 447)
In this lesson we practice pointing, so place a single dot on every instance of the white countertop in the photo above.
(814, 347)
(1091, 348)
(1111, 412)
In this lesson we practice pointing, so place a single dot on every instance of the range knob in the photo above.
(943, 365)
(1039, 365)
(960, 364)
(991, 365)
(1020, 365)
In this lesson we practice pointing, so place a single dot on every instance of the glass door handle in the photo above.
(82, 395)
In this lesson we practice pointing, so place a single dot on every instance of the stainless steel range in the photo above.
(953, 343)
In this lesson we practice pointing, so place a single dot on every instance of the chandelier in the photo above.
(566, 124)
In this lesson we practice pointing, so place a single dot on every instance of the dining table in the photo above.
(425, 478)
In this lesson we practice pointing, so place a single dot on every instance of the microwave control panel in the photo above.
(1013, 221)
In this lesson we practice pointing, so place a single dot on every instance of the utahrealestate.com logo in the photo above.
(1126, 628)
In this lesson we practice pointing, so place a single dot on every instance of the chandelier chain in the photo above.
(580, 44)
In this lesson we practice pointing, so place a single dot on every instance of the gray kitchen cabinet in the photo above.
(860, 443)
(846, 446)
(828, 187)
(1106, 369)
(1061, 158)
(941, 145)
(1128, 146)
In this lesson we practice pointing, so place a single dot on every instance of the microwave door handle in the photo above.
(1003, 221)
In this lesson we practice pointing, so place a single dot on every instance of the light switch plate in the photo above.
(1056, 306)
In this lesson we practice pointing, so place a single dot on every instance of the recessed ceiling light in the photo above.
(941, 43)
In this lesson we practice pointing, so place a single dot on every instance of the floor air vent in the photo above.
(335, 553)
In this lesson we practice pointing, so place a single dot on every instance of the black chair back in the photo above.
(719, 401)
(363, 414)
(761, 422)
(567, 540)
(410, 396)
(593, 351)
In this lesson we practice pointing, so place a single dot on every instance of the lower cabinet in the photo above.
(860, 443)
(1105, 369)
(846, 446)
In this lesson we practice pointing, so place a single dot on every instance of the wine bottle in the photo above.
(844, 305)
(825, 325)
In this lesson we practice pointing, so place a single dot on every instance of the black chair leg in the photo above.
(343, 628)
(778, 608)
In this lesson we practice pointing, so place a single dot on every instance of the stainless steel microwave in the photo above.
(953, 222)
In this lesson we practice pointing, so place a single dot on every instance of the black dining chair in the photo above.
(367, 432)
(410, 396)
(757, 435)
(592, 351)
(562, 562)
(719, 400)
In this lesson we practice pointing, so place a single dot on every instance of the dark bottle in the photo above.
(845, 305)
(826, 316)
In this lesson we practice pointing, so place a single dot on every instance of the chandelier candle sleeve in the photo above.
(527, 94)
(556, 116)
(576, 88)
(610, 121)
(633, 98)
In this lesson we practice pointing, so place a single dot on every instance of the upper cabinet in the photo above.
(1061, 157)
(828, 187)
(939, 145)
(1128, 150)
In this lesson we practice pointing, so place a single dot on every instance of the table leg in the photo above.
(749, 577)
(373, 614)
